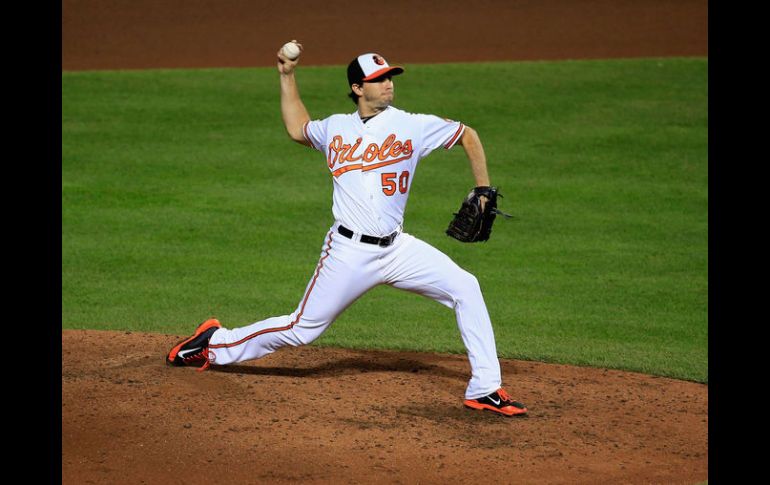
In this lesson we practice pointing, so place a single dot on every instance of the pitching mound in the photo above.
(321, 415)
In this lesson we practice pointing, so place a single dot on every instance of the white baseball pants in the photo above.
(349, 268)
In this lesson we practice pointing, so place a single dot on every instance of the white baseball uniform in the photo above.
(372, 165)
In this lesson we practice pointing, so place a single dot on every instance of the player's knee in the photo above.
(472, 283)
(466, 286)
(307, 334)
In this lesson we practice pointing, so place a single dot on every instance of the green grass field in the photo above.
(182, 198)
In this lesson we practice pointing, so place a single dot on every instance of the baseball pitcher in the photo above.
(372, 155)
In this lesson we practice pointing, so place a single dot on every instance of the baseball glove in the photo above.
(472, 223)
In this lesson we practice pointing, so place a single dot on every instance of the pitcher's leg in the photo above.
(421, 268)
(339, 279)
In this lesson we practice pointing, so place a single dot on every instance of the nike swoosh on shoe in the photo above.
(183, 353)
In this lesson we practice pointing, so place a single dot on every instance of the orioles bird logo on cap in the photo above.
(378, 60)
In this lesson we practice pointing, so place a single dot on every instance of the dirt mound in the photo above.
(322, 415)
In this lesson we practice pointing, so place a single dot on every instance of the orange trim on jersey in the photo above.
(451, 142)
(299, 315)
(383, 164)
(366, 168)
(307, 136)
(347, 168)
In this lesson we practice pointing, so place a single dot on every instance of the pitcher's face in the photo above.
(378, 93)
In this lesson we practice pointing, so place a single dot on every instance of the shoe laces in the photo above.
(203, 355)
(504, 395)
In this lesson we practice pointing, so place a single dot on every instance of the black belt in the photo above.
(380, 241)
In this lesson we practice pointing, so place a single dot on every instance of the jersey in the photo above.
(373, 164)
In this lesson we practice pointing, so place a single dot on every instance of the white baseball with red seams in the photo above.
(372, 166)
(290, 50)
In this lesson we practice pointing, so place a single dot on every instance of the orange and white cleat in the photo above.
(498, 402)
(194, 351)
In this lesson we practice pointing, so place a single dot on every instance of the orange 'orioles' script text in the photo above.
(373, 156)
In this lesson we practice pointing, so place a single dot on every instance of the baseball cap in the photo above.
(370, 66)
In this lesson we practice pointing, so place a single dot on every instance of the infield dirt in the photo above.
(320, 415)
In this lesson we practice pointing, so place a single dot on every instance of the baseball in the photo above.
(290, 50)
